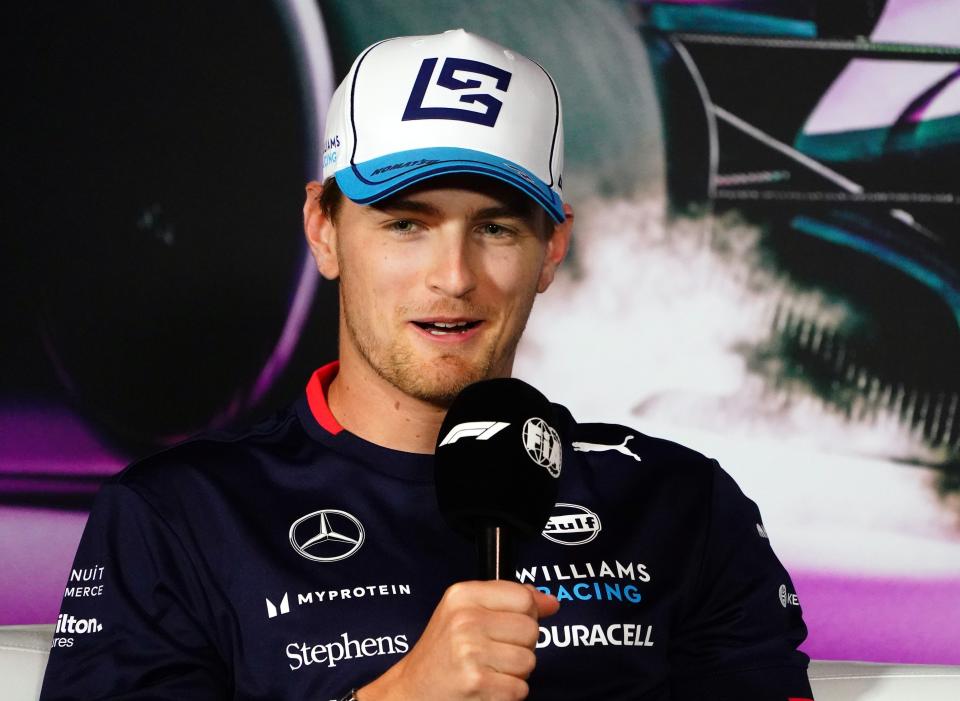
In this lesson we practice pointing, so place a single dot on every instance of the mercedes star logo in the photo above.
(327, 535)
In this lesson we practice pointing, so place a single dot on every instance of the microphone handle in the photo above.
(496, 547)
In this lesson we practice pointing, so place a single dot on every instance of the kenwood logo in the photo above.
(572, 524)
(481, 430)
(788, 598)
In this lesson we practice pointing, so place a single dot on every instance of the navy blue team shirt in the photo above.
(296, 561)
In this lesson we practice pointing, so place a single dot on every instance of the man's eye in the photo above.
(494, 230)
(403, 226)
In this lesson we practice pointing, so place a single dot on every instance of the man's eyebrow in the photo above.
(499, 211)
(395, 205)
(502, 211)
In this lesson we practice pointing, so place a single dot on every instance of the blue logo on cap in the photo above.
(446, 79)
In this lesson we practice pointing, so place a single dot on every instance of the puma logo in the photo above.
(596, 447)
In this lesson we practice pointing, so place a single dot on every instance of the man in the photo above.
(306, 557)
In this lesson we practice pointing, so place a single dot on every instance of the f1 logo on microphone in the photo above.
(481, 430)
(447, 79)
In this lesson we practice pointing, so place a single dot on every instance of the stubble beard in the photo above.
(436, 380)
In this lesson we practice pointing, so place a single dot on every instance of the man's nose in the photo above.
(451, 271)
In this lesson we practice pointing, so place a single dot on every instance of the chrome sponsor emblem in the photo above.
(572, 524)
(327, 535)
(543, 445)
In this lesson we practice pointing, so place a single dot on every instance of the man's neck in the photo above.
(373, 409)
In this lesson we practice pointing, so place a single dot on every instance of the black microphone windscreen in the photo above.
(498, 458)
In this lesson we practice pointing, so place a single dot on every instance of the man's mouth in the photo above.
(446, 328)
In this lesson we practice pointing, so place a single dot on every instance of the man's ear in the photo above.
(557, 248)
(321, 233)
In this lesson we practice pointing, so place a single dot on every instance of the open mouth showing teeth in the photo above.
(443, 328)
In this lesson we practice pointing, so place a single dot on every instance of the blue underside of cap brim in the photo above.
(373, 180)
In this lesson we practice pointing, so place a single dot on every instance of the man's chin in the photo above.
(440, 380)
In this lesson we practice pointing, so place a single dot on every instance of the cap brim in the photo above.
(373, 180)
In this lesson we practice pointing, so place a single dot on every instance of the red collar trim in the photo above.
(317, 389)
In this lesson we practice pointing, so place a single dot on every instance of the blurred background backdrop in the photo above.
(766, 263)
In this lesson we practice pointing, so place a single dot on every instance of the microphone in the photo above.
(497, 463)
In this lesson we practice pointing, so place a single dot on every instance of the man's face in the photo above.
(437, 282)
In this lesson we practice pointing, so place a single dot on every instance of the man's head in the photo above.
(442, 213)
(412, 108)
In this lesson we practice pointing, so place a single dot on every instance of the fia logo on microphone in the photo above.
(543, 445)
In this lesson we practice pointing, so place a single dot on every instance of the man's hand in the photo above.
(478, 645)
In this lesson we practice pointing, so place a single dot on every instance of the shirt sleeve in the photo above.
(742, 623)
(135, 620)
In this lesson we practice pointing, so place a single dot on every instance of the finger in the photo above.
(505, 686)
(515, 660)
(504, 596)
(546, 604)
(512, 628)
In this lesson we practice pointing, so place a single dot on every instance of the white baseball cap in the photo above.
(413, 108)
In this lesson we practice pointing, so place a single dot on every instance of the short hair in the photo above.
(331, 200)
